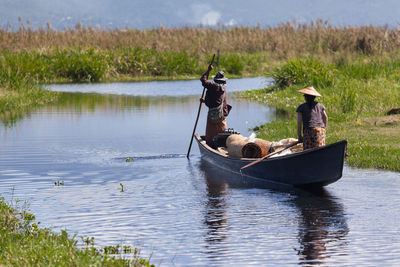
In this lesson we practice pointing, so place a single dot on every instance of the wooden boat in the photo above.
(315, 167)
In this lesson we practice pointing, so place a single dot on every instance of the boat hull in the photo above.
(311, 168)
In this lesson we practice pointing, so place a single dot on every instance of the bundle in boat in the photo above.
(257, 149)
(285, 142)
(234, 145)
(239, 146)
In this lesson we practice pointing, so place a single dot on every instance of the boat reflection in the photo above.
(322, 226)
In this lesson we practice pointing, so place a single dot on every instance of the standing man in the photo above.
(215, 100)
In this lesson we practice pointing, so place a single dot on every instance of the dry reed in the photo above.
(283, 41)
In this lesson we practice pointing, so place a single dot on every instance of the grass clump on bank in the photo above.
(357, 96)
(23, 243)
(19, 94)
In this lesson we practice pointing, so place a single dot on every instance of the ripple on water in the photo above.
(177, 210)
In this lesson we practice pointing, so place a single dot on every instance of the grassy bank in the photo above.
(23, 243)
(19, 94)
(358, 97)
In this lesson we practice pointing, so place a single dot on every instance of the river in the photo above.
(182, 212)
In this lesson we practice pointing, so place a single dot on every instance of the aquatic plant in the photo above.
(58, 183)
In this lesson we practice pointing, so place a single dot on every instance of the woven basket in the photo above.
(257, 149)
(234, 145)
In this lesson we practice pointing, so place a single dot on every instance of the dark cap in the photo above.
(220, 76)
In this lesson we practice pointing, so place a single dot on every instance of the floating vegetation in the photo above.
(120, 250)
(122, 187)
(162, 156)
(111, 249)
(59, 183)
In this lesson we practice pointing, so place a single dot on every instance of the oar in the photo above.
(198, 114)
(269, 155)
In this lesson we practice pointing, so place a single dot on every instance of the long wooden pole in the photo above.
(198, 115)
(269, 155)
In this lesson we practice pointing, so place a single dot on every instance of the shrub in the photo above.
(232, 64)
(80, 65)
(307, 71)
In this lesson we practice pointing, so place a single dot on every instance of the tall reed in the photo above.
(283, 41)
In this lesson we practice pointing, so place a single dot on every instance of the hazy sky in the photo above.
(177, 13)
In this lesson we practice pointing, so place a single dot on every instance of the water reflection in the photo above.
(215, 217)
(322, 226)
(94, 101)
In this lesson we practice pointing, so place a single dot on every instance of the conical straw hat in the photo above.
(310, 91)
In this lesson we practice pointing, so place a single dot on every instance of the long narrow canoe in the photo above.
(315, 167)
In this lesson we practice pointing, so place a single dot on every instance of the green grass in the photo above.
(19, 95)
(304, 71)
(90, 65)
(24, 243)
(373, 141)
(357, 98)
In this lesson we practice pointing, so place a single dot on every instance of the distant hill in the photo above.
(178, 13)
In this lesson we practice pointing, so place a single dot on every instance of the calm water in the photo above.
(184, 212)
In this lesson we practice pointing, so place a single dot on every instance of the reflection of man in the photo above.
(215, 100)
(215, 210)
(322, 221)
(314, 237)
